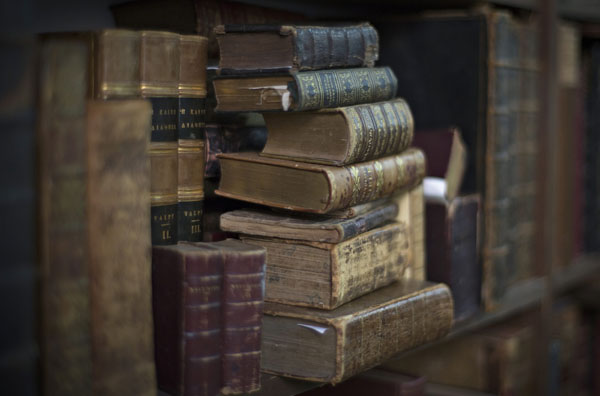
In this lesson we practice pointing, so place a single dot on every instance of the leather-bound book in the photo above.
(118, 247)
(327, 275)
(159, 75)
(452, 251)
(309, 90)
(247, 49)
(374, 381)
(340, 136)
(411, 211)
(186, 294)
(287, 225)
(316, 188)
(330, 346)
(191, 142)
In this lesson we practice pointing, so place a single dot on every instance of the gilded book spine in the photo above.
(378, 130)
(119, 244)
(159, 74)
(343, 87)
(191, 118)
(65, 307)
(371, 180)
(243, 296)
(363, 223)
(331, 47)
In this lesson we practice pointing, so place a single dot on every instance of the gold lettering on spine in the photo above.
(355, 184)
(379, 172)
(392, 128)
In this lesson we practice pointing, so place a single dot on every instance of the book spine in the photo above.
(368, 181)
(342, 87)
(190, 135)
(361, 224)
(66, 355)
(367, 262)
(378, 130)
(117, 64)
(404, 324)
(333, 47)
(243, 296)
(159, 74)
(119, 263)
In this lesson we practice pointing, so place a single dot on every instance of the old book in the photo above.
(330, 346)
(316, 188)
(117, 186)
(357, 210)
(309, 90)
(247, 49)
(315, 228)
(340, 136)
(447, 159)
(375, 381)
(186, 292)
(208, 300)
(190, 131)
(327, 275)
(196, 16)
(452, 251)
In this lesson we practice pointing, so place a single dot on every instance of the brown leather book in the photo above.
(190, 137)
(375, 381)
(316, 188)
(330, 346)
(452, 251)
(117, 195)
(411, 211)
(247, 49)
(308, 90)
(315, 228)
(341, 136)
(327, 275)
(208, 300)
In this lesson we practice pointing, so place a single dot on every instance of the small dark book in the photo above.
(330, 346)
(208, 300)
(452, 250)
(309, 90)
(248, 49)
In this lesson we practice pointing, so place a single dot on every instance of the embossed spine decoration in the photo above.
(159, 66)
(191, 123)
(342, 87)
(330, 47)
(117, 64)
(378, 130)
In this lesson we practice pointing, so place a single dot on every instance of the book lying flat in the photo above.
(330, 346)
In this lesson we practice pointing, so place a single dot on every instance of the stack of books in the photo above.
(336, 157)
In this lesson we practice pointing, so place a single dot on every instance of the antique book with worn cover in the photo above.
(208, 300)
(341, 136)
(446, 159)
(309, 90)
(375, 382)
(191, 123)
(327, 275)
(247, 49)
(316, 188)
(316, 228)
(452, 250)
(411, 211)
(330, 346)
(117, 186)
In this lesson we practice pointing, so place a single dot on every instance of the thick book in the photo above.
(411, 211)
(288, 225)
(191, 141)
(208, 300)
(375, 381)
(247, 49)
(308, 90)
(330, 346)
(340, 136)
(316, 188)
(452, 251)
(447, 158)
(327, 275)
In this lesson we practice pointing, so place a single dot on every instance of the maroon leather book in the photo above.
(374, 382)
(186, 286)
(452, 251)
